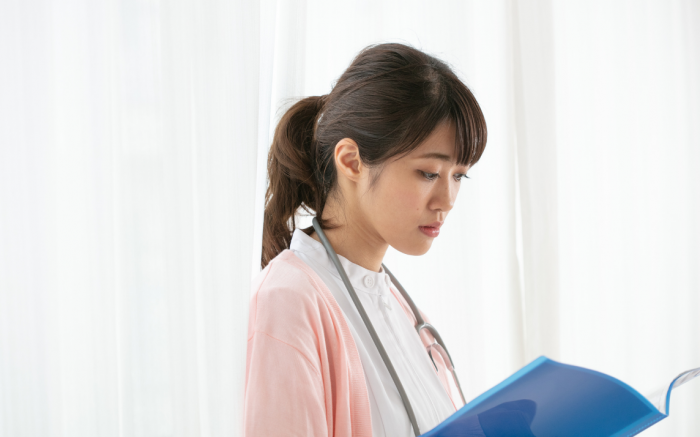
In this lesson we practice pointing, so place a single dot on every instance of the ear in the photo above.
(347, 159)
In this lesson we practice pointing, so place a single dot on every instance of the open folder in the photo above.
(547, 399)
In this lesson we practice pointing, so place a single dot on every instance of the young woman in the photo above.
(379, 161)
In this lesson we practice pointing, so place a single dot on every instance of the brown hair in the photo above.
(391, 97)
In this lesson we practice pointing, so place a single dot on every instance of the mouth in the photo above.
(431, 230)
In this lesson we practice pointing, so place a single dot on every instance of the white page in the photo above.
(659, 397)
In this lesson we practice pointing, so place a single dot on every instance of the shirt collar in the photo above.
(361, 278)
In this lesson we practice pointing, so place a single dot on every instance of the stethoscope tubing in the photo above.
(420, 324)
(368, 324)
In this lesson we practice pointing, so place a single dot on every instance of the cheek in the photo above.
(396, 210)
(403, 205)
(404, 211)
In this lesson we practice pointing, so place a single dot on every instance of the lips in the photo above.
(431, 230)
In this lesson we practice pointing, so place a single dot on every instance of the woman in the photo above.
(379, 161)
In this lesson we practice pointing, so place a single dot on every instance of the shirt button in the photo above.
(368, 281)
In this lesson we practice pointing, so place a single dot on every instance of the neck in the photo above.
(353, 238)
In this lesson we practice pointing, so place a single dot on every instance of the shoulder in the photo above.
(287, 280)
(289, 301)
(286, 269)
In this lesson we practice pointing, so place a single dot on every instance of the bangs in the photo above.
(470, 138)
(450, 100)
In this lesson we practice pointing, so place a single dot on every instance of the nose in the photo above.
(444, 196)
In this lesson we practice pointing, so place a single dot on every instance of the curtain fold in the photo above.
(133, 147)
(536, 123)
(128, 151)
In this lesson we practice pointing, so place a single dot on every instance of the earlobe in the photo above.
(347, 159)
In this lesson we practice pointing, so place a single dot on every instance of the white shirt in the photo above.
(430, 401)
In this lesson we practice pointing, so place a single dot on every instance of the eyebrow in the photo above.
(436, 155)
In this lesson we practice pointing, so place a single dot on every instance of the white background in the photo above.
(133, 139)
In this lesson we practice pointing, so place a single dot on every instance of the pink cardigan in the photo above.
(303, 371)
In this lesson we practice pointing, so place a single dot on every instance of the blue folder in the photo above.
(550, 399)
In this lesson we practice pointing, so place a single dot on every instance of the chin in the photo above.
(415, 249)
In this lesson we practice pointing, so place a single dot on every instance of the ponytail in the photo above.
(291, 173)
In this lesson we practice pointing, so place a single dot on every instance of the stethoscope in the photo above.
(420, 325)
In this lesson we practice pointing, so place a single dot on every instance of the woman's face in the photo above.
(412, 196)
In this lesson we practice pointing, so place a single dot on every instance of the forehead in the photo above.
(440, 144)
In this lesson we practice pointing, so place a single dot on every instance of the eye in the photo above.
(429, 176)
(459, 176)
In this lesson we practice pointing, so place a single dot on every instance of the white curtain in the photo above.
(128, 158)
(133, 139)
